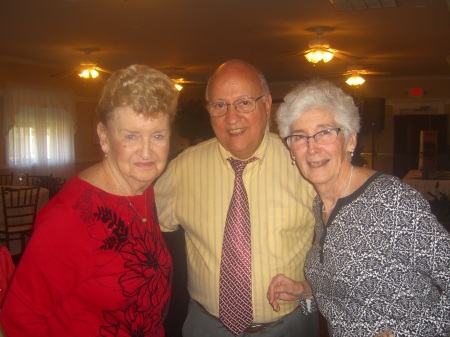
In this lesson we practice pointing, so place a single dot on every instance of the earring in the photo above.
(106, 154)
(351, 154)
(293, 160)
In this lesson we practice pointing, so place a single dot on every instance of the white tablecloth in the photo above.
(15, 245)
(436, 183)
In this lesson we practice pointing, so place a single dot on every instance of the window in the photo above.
(40, 139)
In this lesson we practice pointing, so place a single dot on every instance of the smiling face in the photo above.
(322, 165)
(137, 147)
(241, 134)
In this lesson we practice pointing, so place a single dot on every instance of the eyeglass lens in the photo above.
(323, 137)
(243, 105)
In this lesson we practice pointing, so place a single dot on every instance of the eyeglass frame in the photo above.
(233, 104)
(286, 139)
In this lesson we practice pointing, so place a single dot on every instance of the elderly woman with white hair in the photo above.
(380, 262)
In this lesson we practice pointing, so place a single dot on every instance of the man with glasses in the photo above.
(198, 191)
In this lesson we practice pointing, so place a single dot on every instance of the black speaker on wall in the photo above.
(372, 114)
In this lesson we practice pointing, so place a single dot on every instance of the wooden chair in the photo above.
(37, 180)
(19, 213)
(6, 179)
(55, 185)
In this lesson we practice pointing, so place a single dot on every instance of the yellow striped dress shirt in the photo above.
(195, 192)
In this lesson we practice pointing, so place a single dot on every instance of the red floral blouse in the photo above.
(91, 268)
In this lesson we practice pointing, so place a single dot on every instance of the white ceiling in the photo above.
(190, 38)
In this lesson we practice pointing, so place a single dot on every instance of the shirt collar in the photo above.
(260, 152)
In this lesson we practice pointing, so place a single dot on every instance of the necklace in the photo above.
(143, 219)
(343, 194)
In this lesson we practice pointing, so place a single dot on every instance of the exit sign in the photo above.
(415, 92)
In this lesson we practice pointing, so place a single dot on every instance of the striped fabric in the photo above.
(195, 191)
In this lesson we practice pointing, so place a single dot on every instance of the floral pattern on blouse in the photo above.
(146, 276)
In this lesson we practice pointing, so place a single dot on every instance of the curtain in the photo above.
(39, 126)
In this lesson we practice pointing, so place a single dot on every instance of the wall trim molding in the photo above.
(418, 104)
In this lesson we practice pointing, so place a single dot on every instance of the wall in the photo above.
(87, 147)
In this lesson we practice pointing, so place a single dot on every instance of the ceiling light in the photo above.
(317, 55)
(355, 80)
(88, 73)
(177, 82)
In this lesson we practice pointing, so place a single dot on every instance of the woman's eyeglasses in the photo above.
(323, 137)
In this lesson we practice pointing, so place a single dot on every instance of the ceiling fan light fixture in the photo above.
(327, 56)
(88, 73)
(94, 73)
(355, 80)
(84, 73)
(317, 55)
(177, 83)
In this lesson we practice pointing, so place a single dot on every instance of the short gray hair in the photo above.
(318, 94)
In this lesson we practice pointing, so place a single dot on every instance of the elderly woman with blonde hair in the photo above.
(97, 264)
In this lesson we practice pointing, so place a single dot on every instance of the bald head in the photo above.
(238, 68)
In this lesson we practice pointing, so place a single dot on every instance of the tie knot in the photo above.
(239, 165)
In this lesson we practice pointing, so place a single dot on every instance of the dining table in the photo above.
(431, 184)
(15, 245)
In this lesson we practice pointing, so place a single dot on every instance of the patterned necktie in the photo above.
(235, 295)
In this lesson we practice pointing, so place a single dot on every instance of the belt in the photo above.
(252, 328)
(257, 327)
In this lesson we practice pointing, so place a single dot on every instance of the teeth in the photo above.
(316, 164)
(234, 132)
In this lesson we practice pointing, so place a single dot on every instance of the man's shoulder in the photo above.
(275, 139)
(275, 136)
(198, 151)
(275, 145)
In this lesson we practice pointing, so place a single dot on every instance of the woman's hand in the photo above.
(385, 334)
(285, 289)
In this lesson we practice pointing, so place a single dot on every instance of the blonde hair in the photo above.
(145, 90)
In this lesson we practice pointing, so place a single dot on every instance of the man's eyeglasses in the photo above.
(242, 105)
(323, 137)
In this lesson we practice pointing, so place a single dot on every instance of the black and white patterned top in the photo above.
(382, 263)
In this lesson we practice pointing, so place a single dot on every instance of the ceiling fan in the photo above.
(355, 72)
(85, 70)
(180, 81)
(320, 50)
(174, 74)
